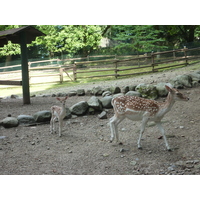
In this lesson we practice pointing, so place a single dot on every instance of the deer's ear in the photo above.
(66, 97)
(168, 88)
(58, 98)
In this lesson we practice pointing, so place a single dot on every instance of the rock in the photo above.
(26, 119)
(123, 150)
(195, 76)
(79, 108)
(59, 94)
(9, 122)
(125, 89)
(95, 103)
(88, 92)
(103, 115)
(2, 137)
(91, 111)
(176, 83)
(195, 84)
(192, 161)
(133, 163)
(80, 92)
(72, 93)
(106, 102)
(97, 91)
(107, 93)
(133, 93)
(13, 96)
(182, 80)
(147, 91)
(42, 116)
(118, 95)
(68, 114)
(115, 90)
(162, 91)
(132, 87)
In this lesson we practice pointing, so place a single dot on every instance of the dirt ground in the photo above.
(84, 146)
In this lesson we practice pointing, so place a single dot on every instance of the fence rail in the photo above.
(113, 66)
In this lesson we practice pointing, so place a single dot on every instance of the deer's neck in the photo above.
(167, 105)
(63, 111)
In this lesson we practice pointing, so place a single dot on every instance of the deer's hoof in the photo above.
(169, 149)
(140, 147)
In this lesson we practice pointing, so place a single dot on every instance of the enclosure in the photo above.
(84, 146)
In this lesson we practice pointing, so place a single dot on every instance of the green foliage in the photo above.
(85, 39)
(139, 37)
(69, 38)
(10, 48)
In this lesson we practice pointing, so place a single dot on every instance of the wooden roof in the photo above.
(14, 35)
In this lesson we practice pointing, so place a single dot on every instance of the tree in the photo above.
(70, 38)
(137, 37)
(60, 38)
(174, 35)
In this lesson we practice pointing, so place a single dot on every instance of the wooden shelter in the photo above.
(23, 36)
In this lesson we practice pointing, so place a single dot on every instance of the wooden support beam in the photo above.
(6, 82)
(25, 71)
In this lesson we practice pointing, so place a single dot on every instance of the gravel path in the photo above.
(147, 78)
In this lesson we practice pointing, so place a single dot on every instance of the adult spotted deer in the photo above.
(137, 108)
(58, 113)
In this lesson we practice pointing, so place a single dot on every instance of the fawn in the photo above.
(58, 113)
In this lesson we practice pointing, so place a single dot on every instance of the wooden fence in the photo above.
(135, 64)
(97, 66)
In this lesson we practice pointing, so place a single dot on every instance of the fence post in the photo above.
(174, 55)
(29, 69)
(152, 61)
(61, 75)
(185, 54)
(116, 69)
(74, 71)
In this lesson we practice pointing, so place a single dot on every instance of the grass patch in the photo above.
(36, 87)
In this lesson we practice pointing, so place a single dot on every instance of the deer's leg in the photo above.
(52, 124)
(60, 127)
(163, 134)
(114, 121)
(143, 125)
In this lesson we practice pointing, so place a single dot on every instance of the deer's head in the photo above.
(178, 96)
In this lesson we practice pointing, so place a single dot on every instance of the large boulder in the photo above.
(26, 119)
(195, 76)
(97, 91)
(80, 92)
(9, 122)
(68, 114)
(95, 103)
(79, 108)
(107, 93)
(133, 93)
(106, 101)
(147, 91)
(42, 116)
(115, 90)
(162, 91)
(182, 80)
(72, 93)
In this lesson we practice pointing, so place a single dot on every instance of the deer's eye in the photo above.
(178, 94)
